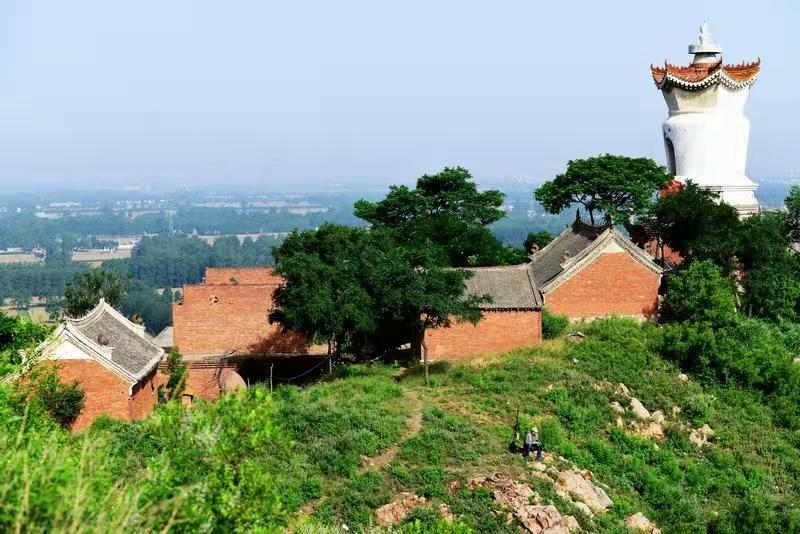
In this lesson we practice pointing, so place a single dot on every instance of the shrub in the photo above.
(176, 382)
(553, 325)
(63, 402)
(699, 293)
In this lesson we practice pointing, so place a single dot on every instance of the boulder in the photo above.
(592, 495)
(683, 377)
(639, 411)
(657, 416)
(396, 511)
(543, 520)
(622, 389)
(699, 436)
(617, 407)
(640, 523)
(651, 430)
(583, 508)
(505, 490)
(572, 524)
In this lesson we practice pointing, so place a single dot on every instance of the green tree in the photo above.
(63, 402)
(772, 289)
(792, 220)
(693, 223)
(540, 239)
(176, 373)
(699, 292)
(445, 209)
(619, 186)
(323, 295)
(85, 291)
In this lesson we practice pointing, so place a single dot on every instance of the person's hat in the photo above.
(534, 429)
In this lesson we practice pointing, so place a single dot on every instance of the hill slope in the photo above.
(333, 453)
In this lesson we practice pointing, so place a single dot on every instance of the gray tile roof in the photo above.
(509, 287)
(547, 263)
(130, 350)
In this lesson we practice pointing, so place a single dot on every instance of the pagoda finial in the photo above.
(706, 50)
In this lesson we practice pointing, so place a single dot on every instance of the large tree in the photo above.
(363, 291)
(85, 291)
(619, 186)
(447, 210)
(695, 224)
(792, 220)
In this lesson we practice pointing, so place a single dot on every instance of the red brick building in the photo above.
(224, 321)
(112, 359)
(584, 273)
(596, 271)
(511, 320)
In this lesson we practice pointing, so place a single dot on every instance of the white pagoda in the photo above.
(706, 133)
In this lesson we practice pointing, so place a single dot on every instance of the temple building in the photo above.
(706, 133)
(113, 361)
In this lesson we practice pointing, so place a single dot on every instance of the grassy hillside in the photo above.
(255, 462)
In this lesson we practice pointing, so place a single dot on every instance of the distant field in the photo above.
(37, 314)
(101, 255)
(19, 258)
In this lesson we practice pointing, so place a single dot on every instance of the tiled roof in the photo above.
(242, 276)
(548, 262)
(702, 75)
(509, 287)
(129, 350)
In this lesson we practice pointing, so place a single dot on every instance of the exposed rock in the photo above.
(617, 407)
(445, 512)
(575, 336)
(595, 497)
(396, 511)
(640, 523)
(539, 466)
(622, 389)
(657, 416)
(683, 377)
(572, 524)
(649, 430)
(583, 508)
(639, 411)
(620, 422)
(505, 490)
(524, 504)
(676, 411)
(699, 436)
(543, 476)
(543, 520)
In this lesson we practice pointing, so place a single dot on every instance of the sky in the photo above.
(300, 94)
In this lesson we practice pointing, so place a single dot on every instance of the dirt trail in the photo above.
(413, 426)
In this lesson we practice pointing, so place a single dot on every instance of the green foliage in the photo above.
(176, 371)
(553, 325)
(364, 291)
(16, 335)
(144, 304)
(85, 291)
(772, 288)
(699, 293)
(619, 186)
(540, 239)
(447, 210)
(792, 220)
(694, 223)
(63, 402)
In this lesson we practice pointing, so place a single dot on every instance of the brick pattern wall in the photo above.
(222, 319)
(498, 331)
(145, 396)
(614, 284)
(242, 275)
(106, 393)
(203, 382)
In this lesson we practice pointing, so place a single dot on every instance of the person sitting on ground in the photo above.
(532, 443)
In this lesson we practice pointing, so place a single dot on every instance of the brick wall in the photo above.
(105, 392)
(145, 396)
(203, 382)
(614, 284)
(242, 275)
(223, 319)
(498, 331)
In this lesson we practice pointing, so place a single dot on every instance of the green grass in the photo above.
(252, 461)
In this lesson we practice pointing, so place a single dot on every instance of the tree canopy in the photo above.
(85, 291)
(361, 290)
(619, 186)
(447, 210)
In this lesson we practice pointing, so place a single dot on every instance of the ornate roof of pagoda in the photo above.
(702, 75)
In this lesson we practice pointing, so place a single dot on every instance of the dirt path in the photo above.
(413, 426)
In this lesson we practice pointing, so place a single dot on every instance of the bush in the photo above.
(699, 293)
(553, 325)
(63, 402)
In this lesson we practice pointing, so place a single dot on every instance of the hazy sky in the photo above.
(142, 92)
